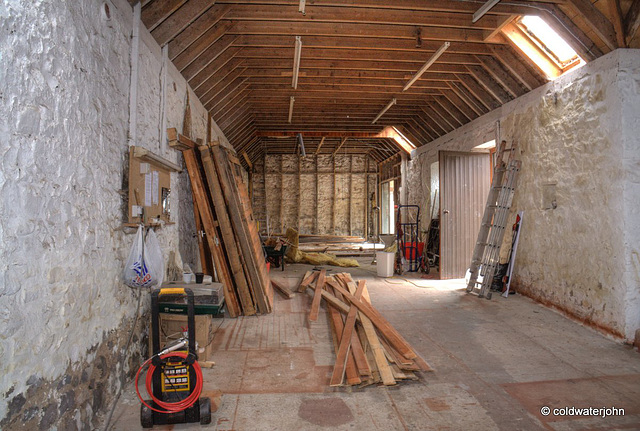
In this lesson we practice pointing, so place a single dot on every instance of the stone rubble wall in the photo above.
(64, 117)
(578, 139)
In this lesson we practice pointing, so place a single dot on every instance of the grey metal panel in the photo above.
(464, 186)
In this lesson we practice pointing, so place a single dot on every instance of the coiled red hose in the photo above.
(168, 406)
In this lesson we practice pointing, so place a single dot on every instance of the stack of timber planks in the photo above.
(368, 349)
(223, 211)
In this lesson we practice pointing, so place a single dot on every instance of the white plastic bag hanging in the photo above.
(135, 272)
(145, 265)
(153, 258)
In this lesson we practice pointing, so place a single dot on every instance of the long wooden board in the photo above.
(246, 211)
(349, 367)
(389, 332)
(228, 238)
(345, 341)
(206, 215)
(315, 304)
(246, 232)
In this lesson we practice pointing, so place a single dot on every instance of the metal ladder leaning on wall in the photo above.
(486, 254)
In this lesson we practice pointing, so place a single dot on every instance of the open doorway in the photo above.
(387, 207)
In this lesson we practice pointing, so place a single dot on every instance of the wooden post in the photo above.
(299, 190)
(350, 194)
(281, 194)
(333, 205)
(264, 182)
(365, 230)
(317, 223)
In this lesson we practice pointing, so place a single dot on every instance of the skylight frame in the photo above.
(564, 66)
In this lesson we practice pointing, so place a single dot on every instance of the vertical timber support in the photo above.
(281, 194)
(316, 221)
(335, 198)
(299, 189)
(350, 195)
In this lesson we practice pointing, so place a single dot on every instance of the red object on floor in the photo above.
(268, 267)
(409, 250)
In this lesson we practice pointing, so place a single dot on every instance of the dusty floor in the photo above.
(497, 364)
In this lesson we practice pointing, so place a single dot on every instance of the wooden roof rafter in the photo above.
(358, 54)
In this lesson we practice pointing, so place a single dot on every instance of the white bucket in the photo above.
(385, 262)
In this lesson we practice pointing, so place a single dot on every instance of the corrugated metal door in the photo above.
(465, 179)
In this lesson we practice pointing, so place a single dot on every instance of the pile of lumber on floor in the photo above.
(368, 349)
(223, 212)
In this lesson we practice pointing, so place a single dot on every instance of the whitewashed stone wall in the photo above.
(64, 114)
(581, 133)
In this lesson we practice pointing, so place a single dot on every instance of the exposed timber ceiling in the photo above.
(356, 56)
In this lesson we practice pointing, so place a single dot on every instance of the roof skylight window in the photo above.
(550, 41)
(534, 38)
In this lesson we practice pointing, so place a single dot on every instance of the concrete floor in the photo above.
(497, 363)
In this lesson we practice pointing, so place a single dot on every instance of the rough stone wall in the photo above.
(577, 149)
(64, 113)
(300, 193)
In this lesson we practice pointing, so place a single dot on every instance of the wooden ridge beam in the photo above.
(346, 74)
(333, 16)
(367, 43)
(416, 58)
(423, 84)
(358, 30)
(348, 64)
(410, 5)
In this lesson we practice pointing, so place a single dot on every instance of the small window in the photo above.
(546, 48)
(551, 42)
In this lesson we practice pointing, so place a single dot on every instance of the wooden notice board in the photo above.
(149, 187)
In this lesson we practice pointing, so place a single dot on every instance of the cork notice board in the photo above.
(149, 187)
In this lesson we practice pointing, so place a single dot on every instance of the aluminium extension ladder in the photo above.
(486, 254)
